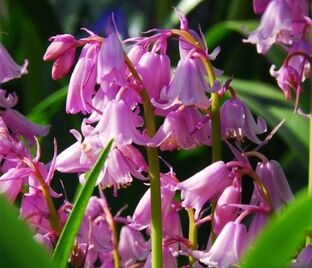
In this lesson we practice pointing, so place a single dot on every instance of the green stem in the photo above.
(192, 234)
(53, 218)
(154, 174)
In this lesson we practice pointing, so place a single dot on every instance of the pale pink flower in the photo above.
(276, 183)
(237, 121)
(184, 128)
(8, 68)
(132, 246)
(188, 84)
(228, 247)
(83, 80)
(224, 211)
(304, 259)
(111, 65)
(154, 70)
(206, 185)
(275, 26)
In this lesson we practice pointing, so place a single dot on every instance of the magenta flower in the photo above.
(274, 179)
(132, 246)
(224, 212)
(112, 125)
(154, 70)
(94, 228)
(35, 212)
(12, 180)
(188, 84)
(288, 80)
(206, 185)
(82, 81)
(184, 128)
(275, 26)
(228, 247)
(141, 218)
(60, 44)
(237, 121)
(111, 64)
(62, 51)
(8, 68)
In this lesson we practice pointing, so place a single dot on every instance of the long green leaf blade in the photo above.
(45, 110)
(17, 247)
(282, 238)
(65, 243)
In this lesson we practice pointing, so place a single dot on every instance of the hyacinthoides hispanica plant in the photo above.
(109, 87)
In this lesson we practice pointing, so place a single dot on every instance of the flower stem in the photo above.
(53, 218)
(192, 235)
(154, 173)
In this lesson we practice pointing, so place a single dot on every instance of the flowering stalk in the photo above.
(52, 217)
(192, 234)
(154, 175)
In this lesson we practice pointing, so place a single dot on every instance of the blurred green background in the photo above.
(26, 25)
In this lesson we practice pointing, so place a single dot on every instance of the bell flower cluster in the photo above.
(111, 87)
(286, 23)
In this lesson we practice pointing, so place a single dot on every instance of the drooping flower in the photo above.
(184, 128)
(8, 68)
(188, 84)
(228, 247)
(276, 183)
(206, 185)
(275, 26)
(224, 212)
(132, 246)
(112, 125)
(237, 121)
(111, 65)
(154, 70)
(82, 82)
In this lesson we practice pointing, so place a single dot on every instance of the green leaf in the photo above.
(46, 109)
(65, 243)
(282, 238)
(17, 247)
(268, 101)
(220, 30)
(185, 6)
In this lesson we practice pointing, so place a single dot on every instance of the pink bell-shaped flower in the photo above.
(111, 65)
(82, 81)
(237, 121)
(304, 259)
(275, 181)
(275, 26)
(206, 185)
(168, 259)
(8, 68)
(120, 123)
(188, 84)
(224, 212)
(183, 129)
(228, 247)
(132, 246)
(154, 70)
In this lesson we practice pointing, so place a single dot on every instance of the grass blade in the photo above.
(65, 243)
